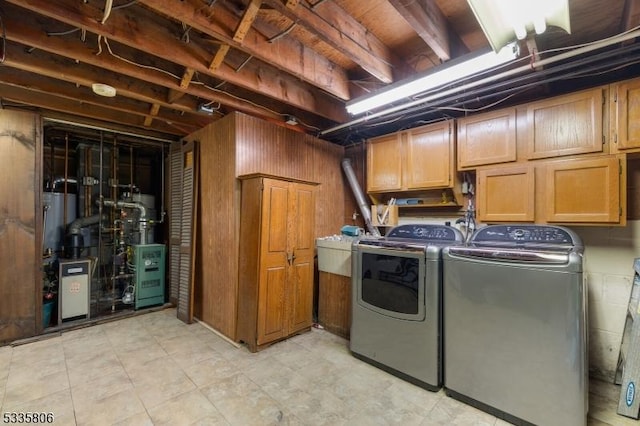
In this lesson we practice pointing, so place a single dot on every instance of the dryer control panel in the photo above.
(426, 232)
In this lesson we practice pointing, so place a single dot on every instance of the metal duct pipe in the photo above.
(361, 200)
(76, 226)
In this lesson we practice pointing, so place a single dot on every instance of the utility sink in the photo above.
(334, 254)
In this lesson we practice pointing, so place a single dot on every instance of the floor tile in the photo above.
(59, 404)
(109, 409)
(242, 402)
(153, 369)
(33, 388)
(187, 408)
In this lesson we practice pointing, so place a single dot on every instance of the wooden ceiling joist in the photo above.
(219, 57)
(55, 103)
(288, 54)
(155, 108)
(429, 22)
(329, 23)
(157, 40)
(250, 15)
(73, 48)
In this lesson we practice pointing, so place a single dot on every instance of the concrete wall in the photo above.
(609, 256)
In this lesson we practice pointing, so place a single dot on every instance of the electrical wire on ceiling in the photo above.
(604, 62)
(107, 11)
(477, 90)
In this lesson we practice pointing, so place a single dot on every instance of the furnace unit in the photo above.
(74, 293)
(148, 261)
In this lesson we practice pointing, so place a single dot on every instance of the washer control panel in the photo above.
(523, 234)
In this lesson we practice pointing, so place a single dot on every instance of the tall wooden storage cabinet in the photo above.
(275, 294)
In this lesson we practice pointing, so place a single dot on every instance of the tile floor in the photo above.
(152, 369)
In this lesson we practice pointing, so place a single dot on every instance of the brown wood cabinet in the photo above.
(488, 138)
(417, 159)
(580, 190)
(586, 190)
(506, 194)
(625, 116)
(384, 163)
(277, 249)
(566, 125)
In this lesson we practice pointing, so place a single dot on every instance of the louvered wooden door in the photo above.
(184, 190)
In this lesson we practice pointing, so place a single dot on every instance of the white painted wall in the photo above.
(609, 256)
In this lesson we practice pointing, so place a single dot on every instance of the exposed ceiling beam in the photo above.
(429, 22)
(80, 94)
(286, 54)
(336, 27)
(43, 63)
(158, 40)
(28, 30)
(55, 103)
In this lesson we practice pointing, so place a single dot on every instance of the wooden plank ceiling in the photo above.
(274, 59)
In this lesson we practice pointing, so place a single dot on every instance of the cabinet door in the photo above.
(584, 190)
(625, 123)
(300, 281)
(272, 324)
(565, 125)
(487, 138)
(384, 163)
(429, 156)
(506, 194)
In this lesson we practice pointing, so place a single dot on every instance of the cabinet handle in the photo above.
(290, 258)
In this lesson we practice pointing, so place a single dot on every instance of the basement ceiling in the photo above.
(179, 65)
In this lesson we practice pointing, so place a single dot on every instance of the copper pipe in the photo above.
(66, 175)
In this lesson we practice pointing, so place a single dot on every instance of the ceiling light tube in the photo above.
(443, 75)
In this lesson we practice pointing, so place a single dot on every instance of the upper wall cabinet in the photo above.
(488, 138)
(384, 163)
(566, 125)
(625, 115)
(415, 159)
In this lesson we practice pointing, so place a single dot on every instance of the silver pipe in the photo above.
(128, 205)
(82, 222)
(60, 180)
(106, 129)
(528, 67)
(361, 200)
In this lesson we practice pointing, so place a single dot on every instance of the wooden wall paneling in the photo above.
(20, 226)
(358, 155)
(327, 170)
(334, 306)
(219, 206)
(239, 145)
(266, 148)
(249, 266)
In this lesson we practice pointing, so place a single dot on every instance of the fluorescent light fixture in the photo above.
(446, 74)
(503, 21)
